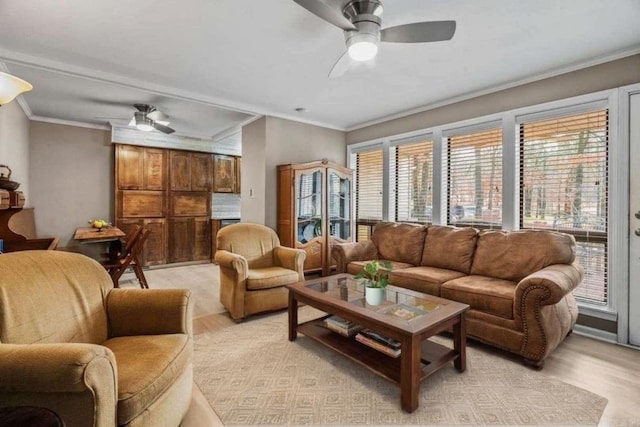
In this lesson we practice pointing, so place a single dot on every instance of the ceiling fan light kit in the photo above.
(145, 123)
(11, 86)
(361, 21)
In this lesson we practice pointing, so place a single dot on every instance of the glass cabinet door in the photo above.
(309, 205)
(339, 199)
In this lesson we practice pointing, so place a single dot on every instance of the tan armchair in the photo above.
(95, 355)
(254, 269)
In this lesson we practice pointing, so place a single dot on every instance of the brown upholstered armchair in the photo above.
(95, 355)
(254, 269)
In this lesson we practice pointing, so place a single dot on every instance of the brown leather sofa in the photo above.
(254, 269)
(518, 284)
(95, 355)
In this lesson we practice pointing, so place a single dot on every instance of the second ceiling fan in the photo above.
(361, 21)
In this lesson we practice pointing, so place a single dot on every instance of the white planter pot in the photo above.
(375, 296)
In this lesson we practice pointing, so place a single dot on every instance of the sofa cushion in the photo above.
(401, 242)
(516, 254)
(488, 294)
(147, 367)
(423, 279)
(355, 267)
(450, 248)
(270, 277)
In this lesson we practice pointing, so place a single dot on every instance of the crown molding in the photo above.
(45, 64)
(68, 122)
(492, 89)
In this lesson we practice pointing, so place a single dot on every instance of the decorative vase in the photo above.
(374, 296)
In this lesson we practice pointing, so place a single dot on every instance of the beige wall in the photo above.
(71, 180)
(609, 75)
(252, 183)
(271, 141)
(14, 145)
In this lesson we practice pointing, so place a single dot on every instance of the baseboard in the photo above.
(596, 334)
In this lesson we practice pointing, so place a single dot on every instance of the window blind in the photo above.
(564, 181)
(475, 179)
(368, 191)
(414, 182)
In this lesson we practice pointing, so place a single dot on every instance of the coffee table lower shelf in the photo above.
(433, 355)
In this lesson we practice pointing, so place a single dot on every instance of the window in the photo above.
(563, 174)
(368, 191)
(475, 179)
(413, 182)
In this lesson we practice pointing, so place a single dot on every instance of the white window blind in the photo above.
(368, 191)
(564, 173)
(475, 179)
(414, 182)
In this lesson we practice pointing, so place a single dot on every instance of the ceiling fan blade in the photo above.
(330, 14)
(341, 66)
(419, 32)
(157, 115)
(162, 128)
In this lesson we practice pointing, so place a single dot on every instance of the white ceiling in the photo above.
(212, 65)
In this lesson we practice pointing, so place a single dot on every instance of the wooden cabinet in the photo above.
(314, 210)
(225, 174)
(140, 168)
(190, 171)
(169, 193)
(189, 239)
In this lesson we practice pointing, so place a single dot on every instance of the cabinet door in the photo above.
(180, 170)
(180, 239)
(224, 174)
(129, 167)
(190, 203)
(155, 248)
(339, 220)
(202, 238)
(309, 216)
(141, 204)
(154, 173)
(238, 175)
(201, 165)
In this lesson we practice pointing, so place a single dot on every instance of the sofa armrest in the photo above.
(344, 253)
(290, 258)
(549, 285)
(149, 312)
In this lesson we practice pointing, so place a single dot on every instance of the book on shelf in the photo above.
(341, 326)
(389, 351)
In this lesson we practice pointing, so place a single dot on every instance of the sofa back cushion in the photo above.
(52, 297)
(516, 254)
(399, 241)
(450, 248)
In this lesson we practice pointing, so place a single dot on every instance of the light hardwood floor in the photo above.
(610, 370)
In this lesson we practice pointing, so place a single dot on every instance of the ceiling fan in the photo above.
(361, 21)
(148, 118)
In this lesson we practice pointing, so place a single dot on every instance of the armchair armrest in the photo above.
(344, 253)
(149, 312)
(56, 368)
(236, 262)
(290, 258)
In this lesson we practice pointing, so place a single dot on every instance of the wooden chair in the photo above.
(129, 258)
(122, 246)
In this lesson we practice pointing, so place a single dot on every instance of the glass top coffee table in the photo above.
(406, 317)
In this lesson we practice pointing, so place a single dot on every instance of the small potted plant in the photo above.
(376, 275)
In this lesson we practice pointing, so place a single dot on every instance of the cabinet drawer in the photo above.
(141, 204)
(190, 204)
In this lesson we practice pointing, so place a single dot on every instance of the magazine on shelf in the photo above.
(377, 345)
(341, 326)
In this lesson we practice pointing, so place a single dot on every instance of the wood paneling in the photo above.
(190, 204)
(141, 204)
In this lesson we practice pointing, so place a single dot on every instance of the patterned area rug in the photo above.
(252, 375)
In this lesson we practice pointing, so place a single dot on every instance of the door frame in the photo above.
(622, 298)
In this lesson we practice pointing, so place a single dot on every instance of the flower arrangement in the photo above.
(376, 274)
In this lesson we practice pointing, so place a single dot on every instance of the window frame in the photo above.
(617, 225)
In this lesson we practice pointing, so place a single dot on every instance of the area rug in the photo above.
(252, 375)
